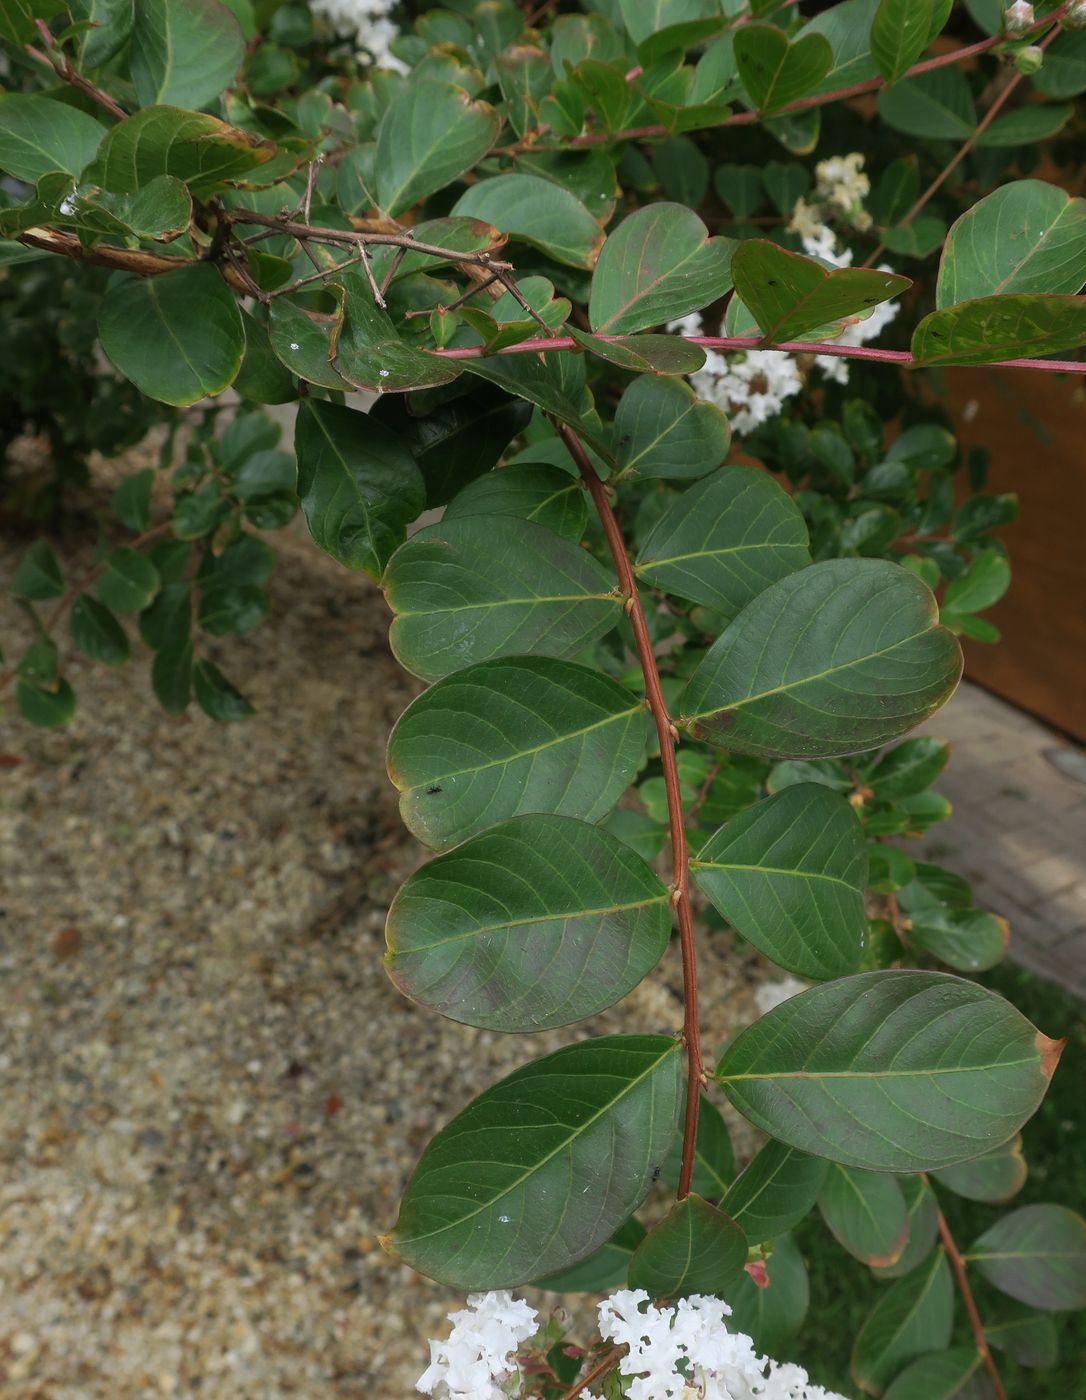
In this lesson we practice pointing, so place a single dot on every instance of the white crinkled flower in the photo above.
(689, 324)
(841, 181)
(479, 1357)
(751, 387)
(367, 22)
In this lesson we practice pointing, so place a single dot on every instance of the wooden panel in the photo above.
(1034, 426)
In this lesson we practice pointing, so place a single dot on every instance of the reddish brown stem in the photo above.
(667, 734)
(67, 74)
(957, 1263)
(600, 1369)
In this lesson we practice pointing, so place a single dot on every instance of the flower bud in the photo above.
(1029, 59)
(1019, 17)
(1075, 18)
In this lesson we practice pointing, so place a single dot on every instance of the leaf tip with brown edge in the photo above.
(1050, 1051)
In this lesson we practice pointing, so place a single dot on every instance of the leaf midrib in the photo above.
(544, 917)
(579, 1131)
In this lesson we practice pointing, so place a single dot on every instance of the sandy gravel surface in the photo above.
(212, 1096)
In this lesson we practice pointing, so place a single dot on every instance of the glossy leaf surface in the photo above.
(694, 1249)
(184, 51)
(1003, 327)
(775, 1191)
(663, 430)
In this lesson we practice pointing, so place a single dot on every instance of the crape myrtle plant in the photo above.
(666, 695)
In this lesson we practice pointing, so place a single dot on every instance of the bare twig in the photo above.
(67, 74)
(600, 1369)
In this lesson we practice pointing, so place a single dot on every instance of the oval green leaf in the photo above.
(772, 1316)
(957, 1374)
(178, 337)
(922, 1222)
(1028, 236)
(776, 70)
(537, 211)
(891, 1071)
(1038, 1255)
(38, 135)
(789, 874)
(520, 734)
(865, 1212)
(994, 1177)
(184, 52)
(511, 1190)
(694, 1249)
(358, 484)
(1004, 327)
(658, 264)
(537, 922)
(663, 429)
(835, 659)
(725, 540)
(532, 490)
(464, 592)
(430, 133)
(915, 1317)
(776, 1191)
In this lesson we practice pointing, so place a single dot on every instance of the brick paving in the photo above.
(1018, 830)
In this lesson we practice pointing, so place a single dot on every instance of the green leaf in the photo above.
(694, 1249)
(516, 735)
(304, 343)
(108, 33)
(900, 32)
(202, 152)
(645, 18)
(510, 1190)
(430, 134)
(1028, 236)
(555, 383)
(216, 696)
(772, 1316)
(536, 211)
(922, 1221)
(775, 1191)
(1064, 71)
(535, 923)
(370, 353)
(937, 105)
(983, 583)
(891, 1071)
(530, 490)
(1026, 125)
(178, 337)
(724, 540)
(358, 484)
(659, 354)
(602, 1271)
(38, 135)
(994, 1177)
(916, 239)
(128, 581)
(835, 659)
(38, 576)
(169, 618)
(662, 429)
(776, 70)
(968, 940)
(525, 75)
(907, 768)
(994, 328)
(184, 52)
(914, 1317)
(97, 633)
(790, 294)
(957, 1374)
(45, 708)
(789, 874)
(658, 264)
(714, 1164)
(463, 592)
(847, 27)
(1036, 1254)
(131, 501)
(171, 675)
(865, 1213)
(1029, 1337)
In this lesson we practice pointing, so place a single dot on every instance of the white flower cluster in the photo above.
(479, 1359)
(680, 1353)
(367, 23)
(687, 1353)
(839, 193)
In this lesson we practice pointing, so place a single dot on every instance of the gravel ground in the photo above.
(212, 1094)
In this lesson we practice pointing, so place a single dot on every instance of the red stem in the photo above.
(957, 1263)
(739, 342)
(668, 735)
(600, 1369)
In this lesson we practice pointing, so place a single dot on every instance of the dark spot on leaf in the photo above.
(431, 791)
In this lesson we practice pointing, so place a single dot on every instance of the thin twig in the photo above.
(600, 1369)
(67, 74)
(668, 737)
(393, 268)
(367, 268)
(957, 1263)
(959, 155)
